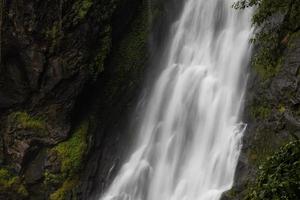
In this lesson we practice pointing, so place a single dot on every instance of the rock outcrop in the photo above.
(272, 114)
(70, 71)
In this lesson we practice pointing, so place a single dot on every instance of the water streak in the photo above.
(190, 137)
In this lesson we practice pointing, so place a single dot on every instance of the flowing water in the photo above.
(190, 136)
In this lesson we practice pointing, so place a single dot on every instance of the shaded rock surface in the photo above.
(272, 114)
(70, 70)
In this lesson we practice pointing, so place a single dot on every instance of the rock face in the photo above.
(272, 114)
(70, 71)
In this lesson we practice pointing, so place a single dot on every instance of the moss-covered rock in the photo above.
(52, 50)
(64, 190)
(11, 185)
(71, 152)
(273, 95)
(21, 130)
(82, 7)
(130, 56)
(97, 66)
(70, 155)
(22, 120)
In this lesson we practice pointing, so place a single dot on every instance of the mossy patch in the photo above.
(54, 34)
(25, 121)
(66, 188)
(97, 66)
(260, 111)
(51, 179)
(265, 68)
(81, 7)
(130, 56)
(264, 144)
(281, 108)
(71, 152)
(10, 183)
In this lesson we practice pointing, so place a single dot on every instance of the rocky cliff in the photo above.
(269, 163)
(70, 72)
(272, 113)
(70, 75)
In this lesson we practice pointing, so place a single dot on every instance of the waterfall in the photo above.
(189, 140)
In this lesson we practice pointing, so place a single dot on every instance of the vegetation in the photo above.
(71, 154)
(83, 7)
(61, 193)
(23, 120)
(278, 172)
(276, 21)
(130, 56)
(260, 111)
(279, 176)
(97, 65)
(264, 143)
(11, 184)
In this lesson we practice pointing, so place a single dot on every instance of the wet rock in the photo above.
(35, 168)
(56, 71)
(272, 114)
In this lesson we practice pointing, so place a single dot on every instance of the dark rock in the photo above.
(272, 114)
(61, 66)
(35, 168)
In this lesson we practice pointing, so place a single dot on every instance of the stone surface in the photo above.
(57, 71)
(272, 114)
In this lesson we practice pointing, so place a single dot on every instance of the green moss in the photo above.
(53, 35)
(279, 175)
(71, 152)
(22, 191)
(25, 121)
(82, 7)
(66, 188)
(281, 108)
(260, 149)
(231, 194)
(260, 111)
(292, 38)
(131, 55)
(97, 65)
(10, 183)
(266, 69)
(51, 179)
(53, 31)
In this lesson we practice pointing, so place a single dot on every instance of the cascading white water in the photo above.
(190, 137)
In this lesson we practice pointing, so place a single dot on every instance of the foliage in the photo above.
(260, 149)
(61, 193)
(130, 56)
(83, 7)
(97, 65)
(279, 177)
(260, 111)
(24, 121)
(53, 34)
(51, 179)
(71, 152)
(276, 20)
(11, 184)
